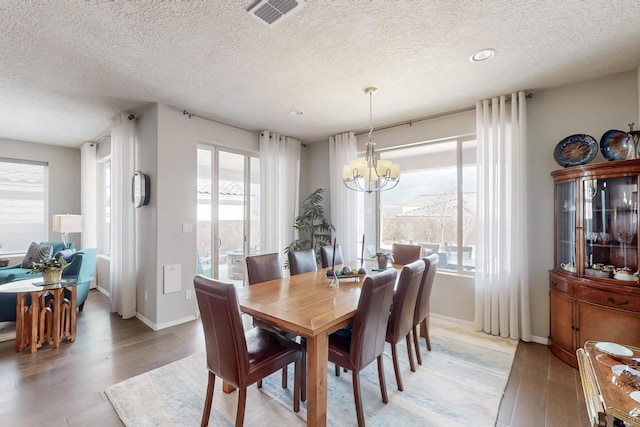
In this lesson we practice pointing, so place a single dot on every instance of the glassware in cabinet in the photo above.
(566, 226)
(610, 224)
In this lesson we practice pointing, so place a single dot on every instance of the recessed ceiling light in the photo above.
(482, 55)
(296, 112)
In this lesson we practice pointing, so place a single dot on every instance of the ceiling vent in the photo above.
(272, 11)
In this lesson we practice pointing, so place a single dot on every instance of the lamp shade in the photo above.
(67, 223)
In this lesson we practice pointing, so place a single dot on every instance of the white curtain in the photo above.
(279, 187)
(502, 287)
(123, 261)
(88, 166)
(342, 149)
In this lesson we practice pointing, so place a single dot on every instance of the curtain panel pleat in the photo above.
(123, 242)
(279, 180)
(501, 279)
(342, 149)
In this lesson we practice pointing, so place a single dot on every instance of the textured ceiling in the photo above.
(68, 67)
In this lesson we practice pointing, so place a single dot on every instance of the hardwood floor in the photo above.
(65, 386)
(542, 391)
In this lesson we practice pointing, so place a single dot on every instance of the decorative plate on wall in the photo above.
(614, 145)
(575, 150)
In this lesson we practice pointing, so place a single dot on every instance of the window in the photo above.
(23, 204)
(434, 203)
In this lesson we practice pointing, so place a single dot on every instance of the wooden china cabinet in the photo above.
(594, 291)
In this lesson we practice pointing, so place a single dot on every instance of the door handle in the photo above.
(219, 242)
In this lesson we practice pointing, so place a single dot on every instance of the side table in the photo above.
(607, 396)
(31, 324)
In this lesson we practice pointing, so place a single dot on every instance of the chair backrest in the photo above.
(424, 294)
(82, 264)
(372, 316)
(326, 256)
(302, 261)
(223, 333)
(404, 300)
(405, 254)
(262, 268)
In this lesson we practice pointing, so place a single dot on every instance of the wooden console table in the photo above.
(607, 397)
(40, 322)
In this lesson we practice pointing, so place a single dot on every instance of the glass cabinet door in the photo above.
(566, 226)
(610, 227)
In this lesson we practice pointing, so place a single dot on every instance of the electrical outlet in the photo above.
(188, 294)
(146, 297)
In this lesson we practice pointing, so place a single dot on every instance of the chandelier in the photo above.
(371, 174)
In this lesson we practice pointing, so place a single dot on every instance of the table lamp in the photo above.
(65, 224)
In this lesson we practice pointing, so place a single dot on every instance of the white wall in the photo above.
(174, 192)
(64, 177)
(146, 161)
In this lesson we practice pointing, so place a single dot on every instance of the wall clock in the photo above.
(140, 189)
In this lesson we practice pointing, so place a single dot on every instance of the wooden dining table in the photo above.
(306, 305)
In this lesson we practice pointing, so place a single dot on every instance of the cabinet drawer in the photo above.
(608, 299)
(560, 285)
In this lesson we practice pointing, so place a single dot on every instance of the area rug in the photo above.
(460, 383)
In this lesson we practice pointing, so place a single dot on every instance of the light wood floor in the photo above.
(65, 386)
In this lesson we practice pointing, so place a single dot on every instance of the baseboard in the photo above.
(540, 340)
(103, 291)
(157, 327)
(535, 339)
(452, 319)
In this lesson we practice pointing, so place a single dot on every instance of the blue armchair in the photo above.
(81, 265)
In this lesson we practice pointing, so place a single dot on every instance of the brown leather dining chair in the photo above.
(366, 341)
(326, 256)
(302, 261)
(262, 268)
(239, 359)
(421, 316)
(405, 254)
(402, 312)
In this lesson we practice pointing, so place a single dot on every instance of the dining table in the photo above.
(306, 305)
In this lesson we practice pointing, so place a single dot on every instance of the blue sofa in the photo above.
(81, 265)
(15, 272)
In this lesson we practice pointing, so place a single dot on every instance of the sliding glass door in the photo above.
(228, 212)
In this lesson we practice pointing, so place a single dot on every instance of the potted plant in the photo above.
(314, 229)
(51, 269)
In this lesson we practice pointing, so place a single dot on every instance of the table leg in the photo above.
(423, 328)
(227, 388)
(20, 321)
(317, 361)
(57, 315)
(35, 317)
(72, 310)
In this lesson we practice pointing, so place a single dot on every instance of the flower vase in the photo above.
(52, 275)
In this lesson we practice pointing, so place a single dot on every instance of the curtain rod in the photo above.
(434, 116)
(190, 115)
